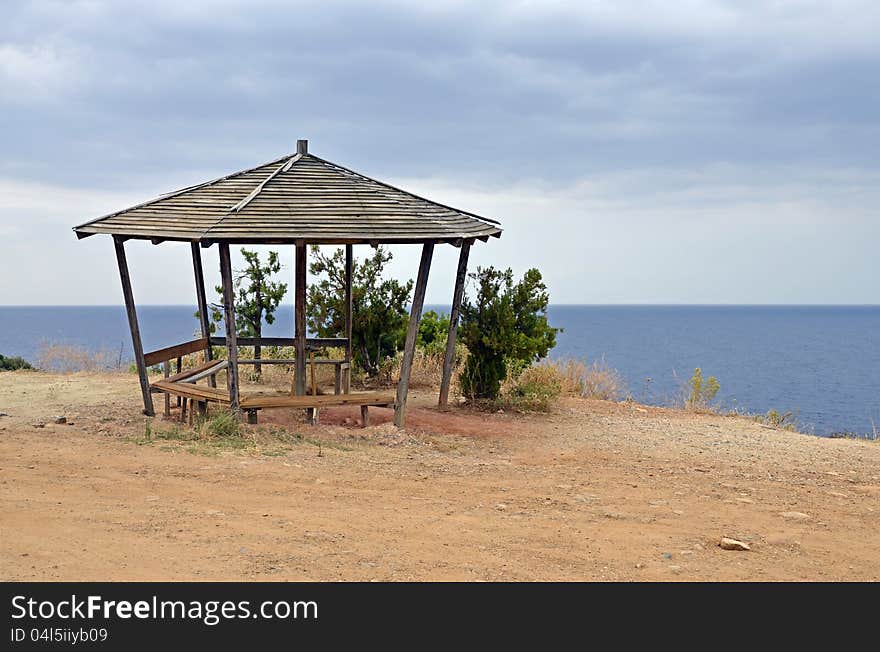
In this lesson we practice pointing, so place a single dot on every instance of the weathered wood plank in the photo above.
(199, 274)
(131, 311)
(212, 367)
(175, 351)
(307, 401)
(460, 277)
(412, 332)
(349, 272)
(229, 317)
(166, 366)
(192, 391)
(300, 319)
(311, 342)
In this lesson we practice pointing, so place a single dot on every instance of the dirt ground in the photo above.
(593, 491)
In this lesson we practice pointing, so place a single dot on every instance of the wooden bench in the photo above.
(251, 404)
(339, 366)
(187, 390)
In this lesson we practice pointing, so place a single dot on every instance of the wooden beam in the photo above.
(460, 277)
(202, 301)
(299, 312)
(136, 344)
(229, 317)
(175, 351)
(349, 272)
(166, 372)
(311, 342)
(412, 331)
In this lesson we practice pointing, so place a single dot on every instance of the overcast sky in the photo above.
(635, 152)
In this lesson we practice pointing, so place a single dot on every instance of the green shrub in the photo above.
(702, 392)
(379, 306)
(433, 332)
(12, 363)
(504, 328)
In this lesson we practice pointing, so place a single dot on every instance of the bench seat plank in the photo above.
(192, 391)
(378, 399)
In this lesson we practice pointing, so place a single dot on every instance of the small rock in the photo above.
(667, 555)
(60, 419)
(795, 516)
(500, 507)
(39, 425)
(733, 544)
(747, 501)
(3, 414)
(674, 568)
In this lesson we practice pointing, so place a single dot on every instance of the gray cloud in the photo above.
(639, 126)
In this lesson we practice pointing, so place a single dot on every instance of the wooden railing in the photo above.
(311, 342)
(176, 351)
(193, 346)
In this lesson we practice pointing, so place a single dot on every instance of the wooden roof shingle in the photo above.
(294, 198)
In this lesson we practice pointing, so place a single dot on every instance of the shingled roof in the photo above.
(295, 198)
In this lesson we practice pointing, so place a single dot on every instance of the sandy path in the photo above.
(595, 491)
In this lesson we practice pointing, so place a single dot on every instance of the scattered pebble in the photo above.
(500, 507)
(727, 543)
(39, 425)
(60, 419)
(667, 555)
(795, 516)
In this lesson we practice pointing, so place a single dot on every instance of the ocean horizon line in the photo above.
(552, 304)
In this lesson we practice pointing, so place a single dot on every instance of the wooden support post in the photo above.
(312, 412)
(229, 318)
(365, 415)
(337, 378)
(299, 313)
(183, 411)
(349, 271)
(166, 372)
(136, 344)
(460, 277)
(179, 369)
(203, 409)
(412, 331)
(202, 303)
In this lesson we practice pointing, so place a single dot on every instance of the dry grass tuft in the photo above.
(69, 358)
(537, 387)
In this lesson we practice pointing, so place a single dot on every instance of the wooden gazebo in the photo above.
(298, 200)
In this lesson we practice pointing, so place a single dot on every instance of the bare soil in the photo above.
(594, 491)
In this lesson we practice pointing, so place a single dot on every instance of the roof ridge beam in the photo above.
(256, 191)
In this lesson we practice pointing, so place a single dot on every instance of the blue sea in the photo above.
(820, 362)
